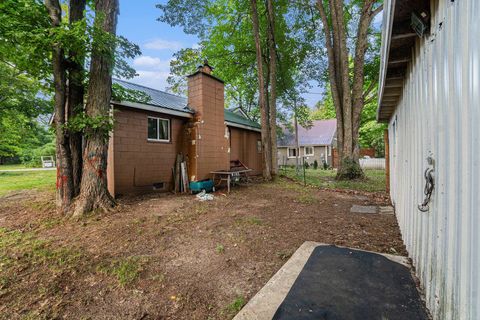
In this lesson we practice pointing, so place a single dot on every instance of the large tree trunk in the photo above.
(264, 115)
(76, 93)
(273, 85)
(64, 161)
(347, 93)
(94, 192)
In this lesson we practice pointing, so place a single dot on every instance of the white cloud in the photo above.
(152, 79)
(161, 44)
(151, 63)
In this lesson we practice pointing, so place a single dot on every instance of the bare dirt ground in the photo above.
(170, 256)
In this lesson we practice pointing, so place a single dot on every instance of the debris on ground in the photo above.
(204, 196)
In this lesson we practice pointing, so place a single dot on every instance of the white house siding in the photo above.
(439, 116)
(319, 154)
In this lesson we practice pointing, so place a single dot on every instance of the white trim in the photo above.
(296, 151)
(158, 129)
(242, 126)
(142, 106)
(309, 154)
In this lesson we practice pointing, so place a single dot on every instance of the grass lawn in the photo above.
(14, 181)
(375, 181)
(13, 166)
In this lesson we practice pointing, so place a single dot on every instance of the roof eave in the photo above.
(388, 15)
(158, 109)
(242, 126)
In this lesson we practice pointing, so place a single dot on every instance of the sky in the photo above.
(158, 42)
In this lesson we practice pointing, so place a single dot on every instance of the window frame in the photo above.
(158, 119)
(288, 153)
(308, 154)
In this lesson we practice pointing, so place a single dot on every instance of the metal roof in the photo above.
(170, 101)
(321, 133)
(234, 117)
(158, 98)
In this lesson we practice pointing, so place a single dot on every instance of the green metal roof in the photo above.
(234, 117)
(174, 102)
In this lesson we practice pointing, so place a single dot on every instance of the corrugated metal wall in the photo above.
(439, 116)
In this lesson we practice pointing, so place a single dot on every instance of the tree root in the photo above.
(85, 205)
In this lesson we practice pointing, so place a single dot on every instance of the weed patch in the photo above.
(126, 271)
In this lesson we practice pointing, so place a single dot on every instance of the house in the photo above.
(148, 136)
(315, 143)
(429, 95)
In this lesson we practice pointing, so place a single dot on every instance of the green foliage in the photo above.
(91, 124)
(315, 164)
(20, 134)
(120, 93)
(33, 157)
(225, 30)
(220, 248)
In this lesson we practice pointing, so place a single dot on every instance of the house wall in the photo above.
(438, 116)
(138, 163)
(319, 154)
(243, 147)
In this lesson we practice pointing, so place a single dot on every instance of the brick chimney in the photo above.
(208, 148)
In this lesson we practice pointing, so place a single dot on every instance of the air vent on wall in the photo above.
(418, 24)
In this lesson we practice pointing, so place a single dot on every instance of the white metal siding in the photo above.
(439, 116)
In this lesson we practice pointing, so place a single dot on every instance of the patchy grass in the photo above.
(22, 249)
(220, 248)
(126, 271)
(26, 180)
(374, 182)
(234, 307)
(249, 221)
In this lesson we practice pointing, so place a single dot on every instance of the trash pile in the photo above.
(204, 196)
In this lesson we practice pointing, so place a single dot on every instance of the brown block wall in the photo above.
(243, 147)
(210, 146)
(137, 162)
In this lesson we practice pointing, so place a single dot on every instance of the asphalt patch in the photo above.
(341, 283)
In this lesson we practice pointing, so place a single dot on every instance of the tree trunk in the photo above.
(64, 183)
(94, 192)
(76, 93)
(347, 93)
(264, 115)
(273, 85)
(297, 144)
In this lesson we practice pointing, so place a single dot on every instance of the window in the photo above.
(158, 129)
(259, 146)
(292, 152)
(308, 151)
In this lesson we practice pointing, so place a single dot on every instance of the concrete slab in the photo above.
(363, 209)
(386, 210)
(318, 289)
(266, 302)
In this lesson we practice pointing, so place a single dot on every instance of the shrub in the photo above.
(32, 157)
(306, 165)
(315, 164)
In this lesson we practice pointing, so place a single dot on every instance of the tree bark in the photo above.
(273, 85)
(76, 92)
(264, 115)
(94, 192)
(347, 93)
(64, 184)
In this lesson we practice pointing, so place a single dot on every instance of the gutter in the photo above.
(242, 126)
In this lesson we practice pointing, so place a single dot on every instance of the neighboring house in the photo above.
(148, 136)
(315, 143)
(430, 98)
